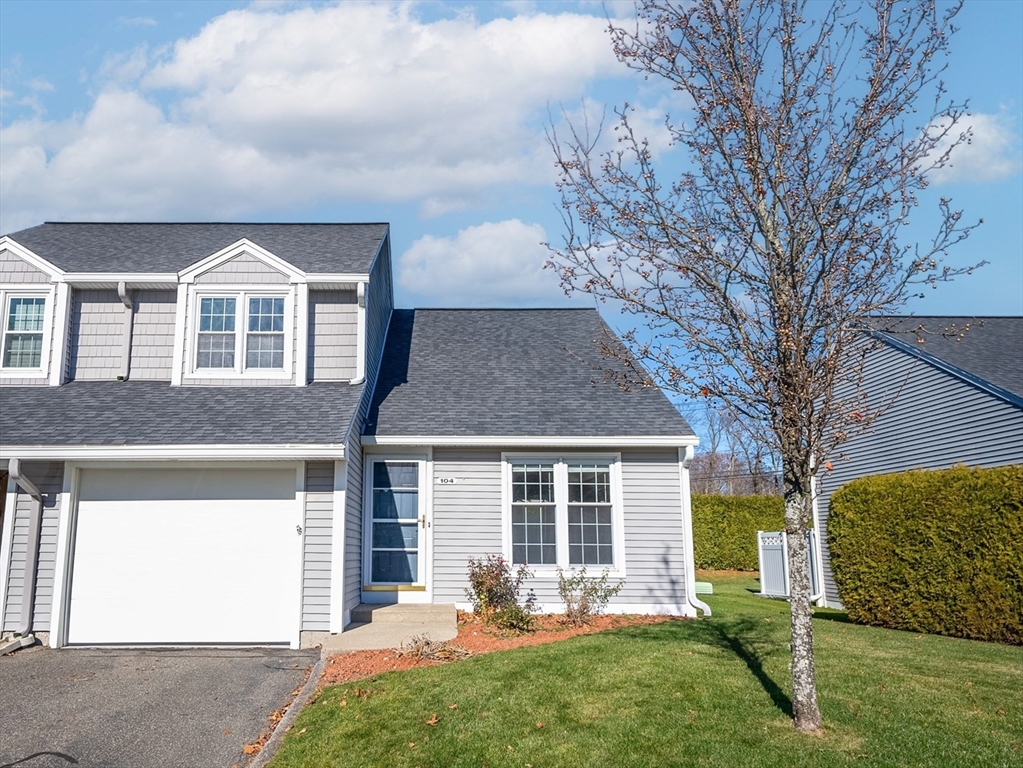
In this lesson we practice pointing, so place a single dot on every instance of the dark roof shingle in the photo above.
(536, 373)
(103, 247)
(156, 413)
(987, 348)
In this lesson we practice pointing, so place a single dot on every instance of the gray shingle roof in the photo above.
(96, 247)
(987, 348)
(155, 413)
(508, 373)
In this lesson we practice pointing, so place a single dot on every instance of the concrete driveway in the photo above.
(140, 708)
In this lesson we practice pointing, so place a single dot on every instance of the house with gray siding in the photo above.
(951, 392)
(226, 434)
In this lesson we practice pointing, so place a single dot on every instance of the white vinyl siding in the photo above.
(97, 335)
(16, 271)
(242, 270)
(319, 528)
(932, 420)
(49, 478)
(152, 338)
(333, 326)
(468, 522)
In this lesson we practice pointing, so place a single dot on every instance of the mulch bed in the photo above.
(472, 636)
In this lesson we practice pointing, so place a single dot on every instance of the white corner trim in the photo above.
(302, 328)
(193, 452)
(339, 515)
(822, 599)
(180, 315)
(360, 335)
(244, 245)
(60, 602)
(59, 339)
(685, 458)
(6, 544)
(32, 258)
(526, 441)
(300, 523)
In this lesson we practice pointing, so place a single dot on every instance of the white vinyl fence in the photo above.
(774, 564)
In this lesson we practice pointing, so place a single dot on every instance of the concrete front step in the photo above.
(366, 613)
(376, 627)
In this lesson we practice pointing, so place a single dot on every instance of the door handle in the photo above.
(422, 521)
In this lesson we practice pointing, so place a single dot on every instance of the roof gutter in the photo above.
(685, 458)
(31, 554)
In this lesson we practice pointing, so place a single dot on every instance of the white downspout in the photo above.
(129, 324)
(360, 340)
(685, 458)
(31, 557)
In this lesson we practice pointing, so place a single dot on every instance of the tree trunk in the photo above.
(805, 711)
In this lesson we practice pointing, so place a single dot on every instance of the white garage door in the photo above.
(186, 556)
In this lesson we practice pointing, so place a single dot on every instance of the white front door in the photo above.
(396, 527)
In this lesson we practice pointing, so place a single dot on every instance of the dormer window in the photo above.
(264, 341)
(24, 332)
(242, 333)
(216, 333)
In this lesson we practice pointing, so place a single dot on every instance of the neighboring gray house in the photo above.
(952, 392)
(224, 433)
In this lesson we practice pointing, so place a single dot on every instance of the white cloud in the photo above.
(992, 152)
(494, 264)
(356, 101)
(136, 21)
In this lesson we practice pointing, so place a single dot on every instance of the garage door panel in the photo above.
(186, 556)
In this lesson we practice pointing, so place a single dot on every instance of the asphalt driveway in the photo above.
(140, 708)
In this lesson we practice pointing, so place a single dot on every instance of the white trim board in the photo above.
(331, 451)
(527, 441)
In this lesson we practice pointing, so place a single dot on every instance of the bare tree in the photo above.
(749, 271)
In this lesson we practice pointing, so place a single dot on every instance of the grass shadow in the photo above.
(837, 616)
(747, 638)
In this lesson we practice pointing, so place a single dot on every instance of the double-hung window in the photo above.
(240, 333)
(24, 326)
(564, 512)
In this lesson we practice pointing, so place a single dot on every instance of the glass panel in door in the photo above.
(394, 538)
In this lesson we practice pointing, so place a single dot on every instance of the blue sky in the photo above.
(427, 115)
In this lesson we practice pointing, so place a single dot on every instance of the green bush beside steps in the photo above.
(937, 551)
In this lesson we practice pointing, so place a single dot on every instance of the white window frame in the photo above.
(241, 294)
(421, 589)
(561, 462)
(35, 291)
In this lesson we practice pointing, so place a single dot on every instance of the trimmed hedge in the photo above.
(937, 551)
(725, 529)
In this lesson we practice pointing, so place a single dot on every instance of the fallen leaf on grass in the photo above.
(539, 725)
(411, 745)
(453, 706)
(302, 731)
(1000, 713)
(433, 719)
(343, 703)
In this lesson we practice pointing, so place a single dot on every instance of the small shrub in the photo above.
(725, 529)
(585, 597)
(494, 593)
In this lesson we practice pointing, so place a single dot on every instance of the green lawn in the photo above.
(706, 693)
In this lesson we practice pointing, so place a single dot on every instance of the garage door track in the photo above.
(138, 708)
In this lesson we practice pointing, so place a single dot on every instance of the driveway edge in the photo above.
(269, 749)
